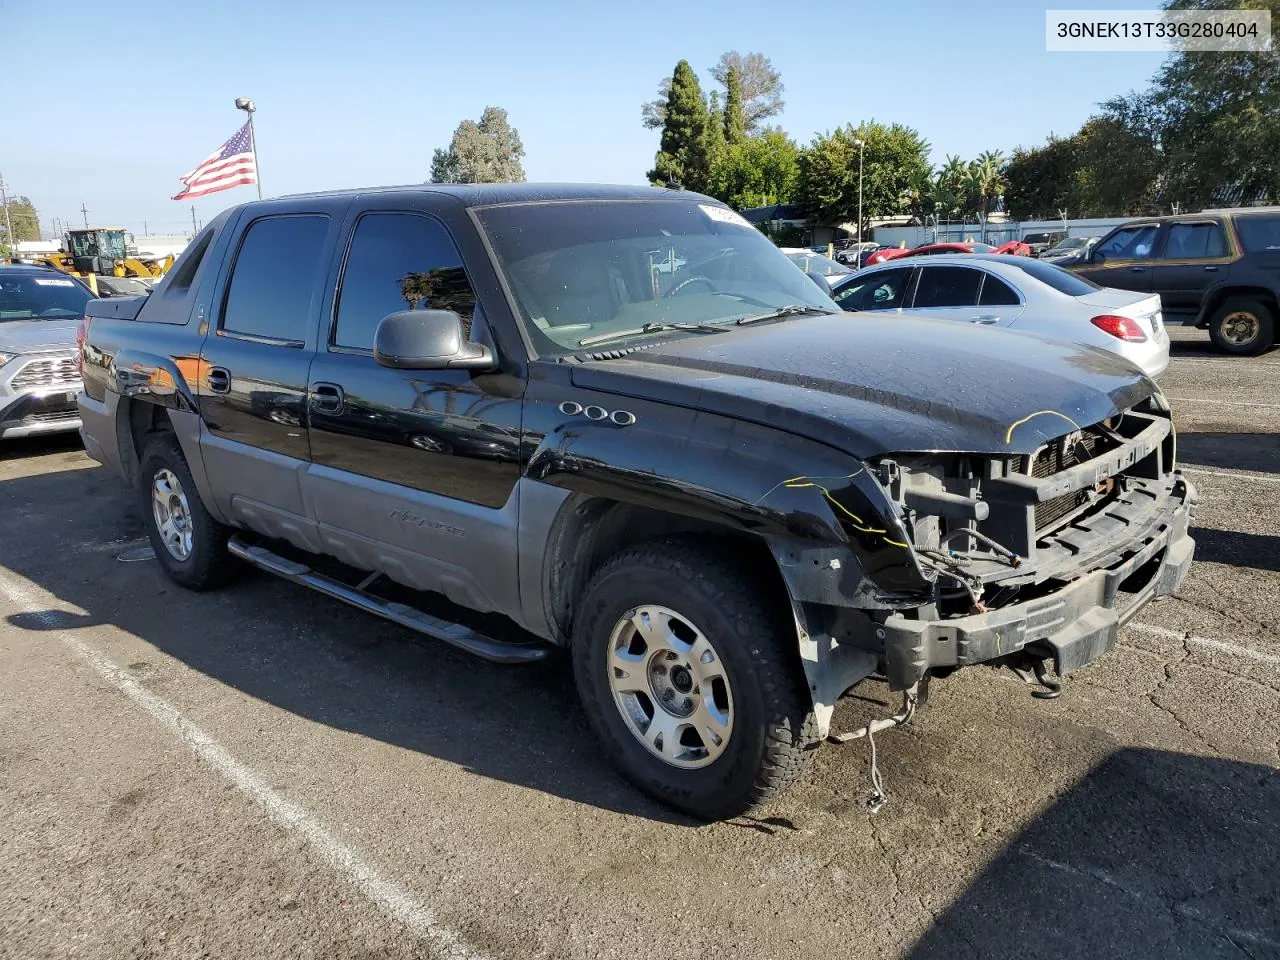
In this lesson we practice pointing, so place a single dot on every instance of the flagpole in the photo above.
(245, 104)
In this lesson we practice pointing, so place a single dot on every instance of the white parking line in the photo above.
(1224, 403)
(1228, 476)
(387, 894)
(1226, 646)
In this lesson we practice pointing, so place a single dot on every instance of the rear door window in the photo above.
(948, 287)
(1259, 234)
(1195, 241)
(275, 278)
(883, 290)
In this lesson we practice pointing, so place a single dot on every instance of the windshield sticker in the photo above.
(54, 283)
(723, 215)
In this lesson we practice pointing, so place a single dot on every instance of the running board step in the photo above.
(460, 636)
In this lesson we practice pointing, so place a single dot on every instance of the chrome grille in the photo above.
(48, 372)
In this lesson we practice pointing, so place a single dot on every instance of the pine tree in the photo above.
(735, 123)
(715, 132)
(682, 153)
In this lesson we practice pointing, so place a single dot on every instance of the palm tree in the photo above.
(985, 184)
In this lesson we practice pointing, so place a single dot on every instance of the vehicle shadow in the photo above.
(1152, 855)
(1259, 452)
(1255, 550)
(304, 653)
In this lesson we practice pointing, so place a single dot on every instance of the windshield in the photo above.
(585, 270)
(981, 247)
(1071, 243)
(98, 243)
(41, 298)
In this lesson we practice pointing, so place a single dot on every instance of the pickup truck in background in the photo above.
(621, 418)
(1218, 268)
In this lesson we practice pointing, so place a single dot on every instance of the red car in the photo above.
(1013, 247)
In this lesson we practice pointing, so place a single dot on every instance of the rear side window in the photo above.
(184, 271)
(997, 293)
(398, 261)
(1259, 234)
(274, 278)
(883, 290)
(948, 287)
(1195, 241)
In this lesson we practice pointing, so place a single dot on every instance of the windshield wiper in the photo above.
(790, 310)
(650, 328)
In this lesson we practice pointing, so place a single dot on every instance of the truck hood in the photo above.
(37, 336)
(872, 385)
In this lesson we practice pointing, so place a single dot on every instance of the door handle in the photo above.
(1137, 269)
(986, 319)
(327, 398)
(1210, 269)
(219, 380)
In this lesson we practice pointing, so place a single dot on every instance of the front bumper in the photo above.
(1074, 624)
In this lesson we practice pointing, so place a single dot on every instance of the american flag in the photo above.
(232, 164)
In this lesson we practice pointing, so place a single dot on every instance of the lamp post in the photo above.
(245, 104)
(861, 145)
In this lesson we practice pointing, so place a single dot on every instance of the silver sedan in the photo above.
(1027, 295)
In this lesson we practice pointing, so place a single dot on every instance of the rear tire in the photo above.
(740, 717)
(1242, 326)
(190, 546)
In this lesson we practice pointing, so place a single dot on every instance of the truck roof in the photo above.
(480, 194)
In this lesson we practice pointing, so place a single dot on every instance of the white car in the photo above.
(811, 262)
(1028, 295)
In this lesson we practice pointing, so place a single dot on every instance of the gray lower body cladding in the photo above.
(1072, 624)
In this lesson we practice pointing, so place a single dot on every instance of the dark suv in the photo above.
(1221, 266)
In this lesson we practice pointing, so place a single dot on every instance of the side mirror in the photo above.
(1095, 256)
(821, 281)
(428, 340)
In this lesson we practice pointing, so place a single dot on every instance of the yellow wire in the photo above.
(1008, 437)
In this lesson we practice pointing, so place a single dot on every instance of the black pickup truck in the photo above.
(625, 421)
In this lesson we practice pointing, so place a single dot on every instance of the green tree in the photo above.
(951, 189)
(1216, 115)
(1041, 180)
(895, 157)
(985, 183)
(486, 152)
(682, 154)
(759, 171)
(715, 131)
(760, 90)
(26, 222)
(1103, 187)
(735, 122)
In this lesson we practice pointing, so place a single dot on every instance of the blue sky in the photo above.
(119, 106)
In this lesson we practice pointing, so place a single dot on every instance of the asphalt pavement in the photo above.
(262, 772)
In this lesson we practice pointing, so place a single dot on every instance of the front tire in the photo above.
(1242, 326)
(189, 544)
(690, 678)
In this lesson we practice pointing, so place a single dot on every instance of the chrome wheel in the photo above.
(1240, 328)
(670, 686)
(172, 513)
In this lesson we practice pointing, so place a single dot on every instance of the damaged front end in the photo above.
(1016, 559)
(1040, 556)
